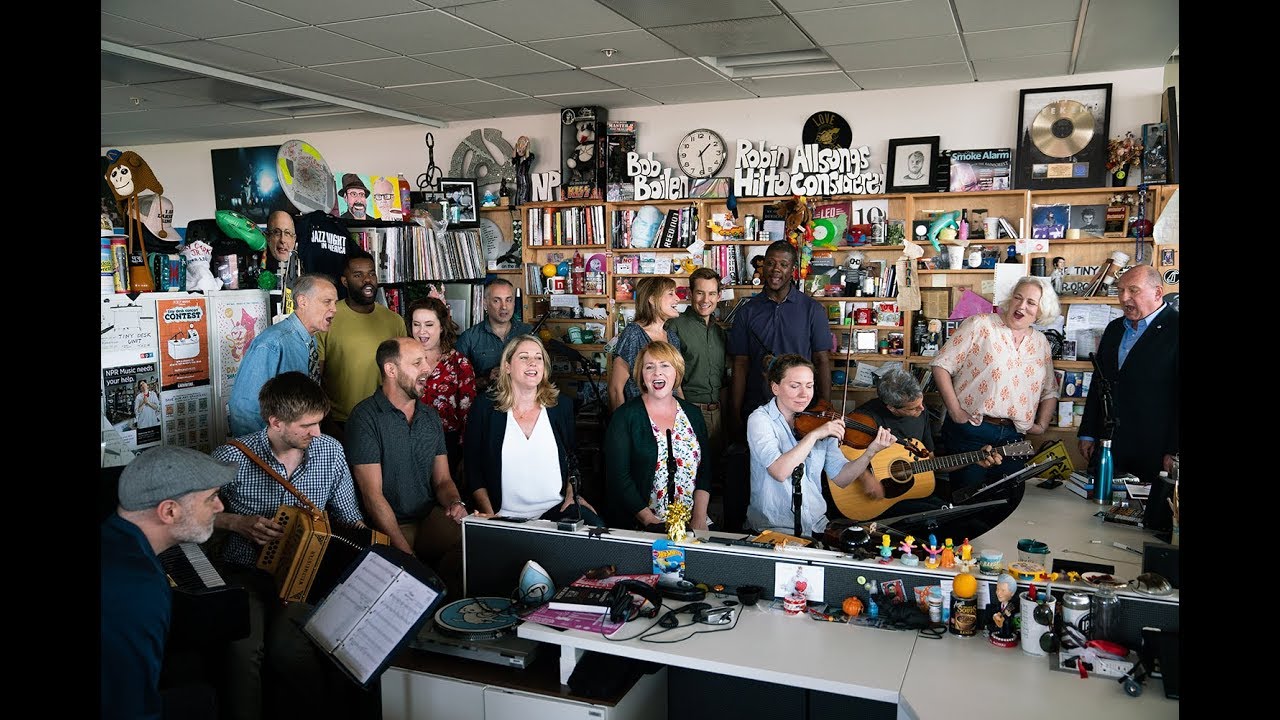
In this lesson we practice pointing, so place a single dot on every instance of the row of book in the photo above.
(411, 252)
(640, 228)
(733, 262)
(576, 225)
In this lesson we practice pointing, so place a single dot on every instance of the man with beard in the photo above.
(395, 443)
(482, 343)
(168, 495)
(358, 326)
(355, 193)
(292, 444)
(288, 345)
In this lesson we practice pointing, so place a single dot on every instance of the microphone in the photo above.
(671, 471)
(797, 495)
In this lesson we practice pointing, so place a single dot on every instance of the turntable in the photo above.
(481, 629)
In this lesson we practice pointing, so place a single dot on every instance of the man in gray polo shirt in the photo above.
(482, 343)
(395, 443)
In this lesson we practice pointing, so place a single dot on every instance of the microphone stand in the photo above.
(1109, 420)
(797, 495)
(575, 482)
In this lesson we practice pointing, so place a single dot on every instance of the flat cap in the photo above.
(166, 473)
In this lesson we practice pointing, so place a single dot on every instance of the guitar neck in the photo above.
(948, 462)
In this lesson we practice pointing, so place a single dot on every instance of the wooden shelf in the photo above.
(1087, 241)
(645, 275)
(954, 272)
(868, 356)
(567, 247)
(1093, 300)
(499, 208)
(544, 295)
(637, 251)
(1072, 365)
(852, 298)
(738, 242)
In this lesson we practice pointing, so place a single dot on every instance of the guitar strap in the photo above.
(275, 475)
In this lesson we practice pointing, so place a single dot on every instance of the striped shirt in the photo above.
(323, 477)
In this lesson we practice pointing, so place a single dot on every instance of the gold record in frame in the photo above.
(1062, 128)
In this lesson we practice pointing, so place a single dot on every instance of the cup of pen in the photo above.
(1034, 551)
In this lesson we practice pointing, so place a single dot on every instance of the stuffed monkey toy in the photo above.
(129, 176)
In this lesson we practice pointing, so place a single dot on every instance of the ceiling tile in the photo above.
(317, 13)
(522, 20)
(662, 72)
(494, 61)
(147, 137)
(198, 18)
(659, 13)
(946, 74)
(220, 56)
(416, 33)
(898, 53)
(319, 123)
(452, 3)
(1122, 36)
(312, 80)
(194, 116)
(1037, 40)
(631, 46)
(458, 91)
(389, 71)
(509, 108)
(603, 98)
(451, 112)
(978, 15)
(698, 92)
(132, 32)
(213, 89)
(121, 99)
(815, 84)
(562, 81)
(803, 5)
(1016, 68)
(734, 37)
(384, 98)
(306, 46)
(127, 71)
(870, 23)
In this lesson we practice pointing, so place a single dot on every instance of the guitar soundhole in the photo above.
(900, 471)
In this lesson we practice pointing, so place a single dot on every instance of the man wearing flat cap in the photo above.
(355, 193)
(168, 495)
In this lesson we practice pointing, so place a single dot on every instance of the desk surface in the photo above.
(767, 646)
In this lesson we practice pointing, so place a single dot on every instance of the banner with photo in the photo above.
(184, 351)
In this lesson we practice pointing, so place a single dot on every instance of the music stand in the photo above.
(964, 495)
(586, 367)
(930, 518)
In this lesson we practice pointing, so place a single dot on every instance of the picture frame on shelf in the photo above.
(1155, 153)
(1088, 219)
(1166, 257)
(1116, 222)
(912, 163)
(1050, 221)
(1062, 141)
(460, 193)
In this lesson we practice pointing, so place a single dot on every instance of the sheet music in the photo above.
(364, 618)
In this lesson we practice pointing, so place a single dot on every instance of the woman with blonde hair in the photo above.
(656, 447)
(656, 303)
(517, 435)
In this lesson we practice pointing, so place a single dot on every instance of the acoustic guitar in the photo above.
(903, 475)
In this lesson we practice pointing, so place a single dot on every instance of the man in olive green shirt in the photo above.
(703, 342)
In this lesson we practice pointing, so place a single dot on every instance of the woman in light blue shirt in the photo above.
(776, 452)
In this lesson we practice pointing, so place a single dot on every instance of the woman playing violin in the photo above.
(776, 452)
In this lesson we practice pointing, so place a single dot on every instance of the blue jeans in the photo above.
(963, 437)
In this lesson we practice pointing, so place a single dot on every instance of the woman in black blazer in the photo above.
(519, 441)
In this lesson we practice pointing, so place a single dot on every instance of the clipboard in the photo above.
(378, 606)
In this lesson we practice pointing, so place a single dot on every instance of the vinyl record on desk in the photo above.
(305, 177)
(1062, 128)
(482, 618)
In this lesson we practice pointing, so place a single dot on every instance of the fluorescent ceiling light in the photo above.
(772, 63)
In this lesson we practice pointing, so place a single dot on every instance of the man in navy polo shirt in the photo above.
(482, 343)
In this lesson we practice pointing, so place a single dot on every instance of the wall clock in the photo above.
(701, 153)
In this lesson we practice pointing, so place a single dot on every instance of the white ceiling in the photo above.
(186, 70)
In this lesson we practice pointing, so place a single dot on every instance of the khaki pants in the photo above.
(437, 541)
(714, 430)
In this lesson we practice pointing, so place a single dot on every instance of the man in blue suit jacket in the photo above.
(1138, 362)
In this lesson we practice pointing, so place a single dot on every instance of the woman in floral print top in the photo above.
(452, 385)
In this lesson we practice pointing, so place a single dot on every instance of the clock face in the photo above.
(701, 153)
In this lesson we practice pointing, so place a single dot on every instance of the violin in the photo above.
(859, 428)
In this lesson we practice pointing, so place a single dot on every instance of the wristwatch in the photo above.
(456, 502)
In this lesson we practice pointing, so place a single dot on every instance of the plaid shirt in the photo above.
(323, 477)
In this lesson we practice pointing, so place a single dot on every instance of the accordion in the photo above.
(309, 558)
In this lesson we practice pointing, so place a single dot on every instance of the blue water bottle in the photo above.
(1102, 485)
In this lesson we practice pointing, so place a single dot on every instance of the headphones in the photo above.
(620, 604)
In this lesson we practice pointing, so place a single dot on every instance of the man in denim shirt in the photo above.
(287, 345)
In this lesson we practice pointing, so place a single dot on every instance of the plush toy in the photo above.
(584, 153)
(129, 176)
(757, 263)
(945, 220)
(199, 277)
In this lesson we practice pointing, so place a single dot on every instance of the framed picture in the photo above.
(912, 162)
(460, 194)
(1169, 116)
(1062, 141)
(1116, 223)
(1088, 219)
(1155, 153)
(245, 181)
(1049, 221)
(1166, 257)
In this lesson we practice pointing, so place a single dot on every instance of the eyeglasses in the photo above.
(278, 232)
(384, 197)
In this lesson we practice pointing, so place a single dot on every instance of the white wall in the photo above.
(972, 115)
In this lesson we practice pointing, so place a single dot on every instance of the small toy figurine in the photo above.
(908, 556)
(886, 550)
(948, 555)
(966, 550)
(908, 544)
(934, 550)
(1002, 627)
(1059, 273)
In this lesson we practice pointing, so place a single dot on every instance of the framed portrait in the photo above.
(1155, 153)
(1062, 136)
(460, 195)
(1166, 257)
(912, 163)
(1088, 219)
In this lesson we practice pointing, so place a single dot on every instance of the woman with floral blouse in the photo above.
(452, 386)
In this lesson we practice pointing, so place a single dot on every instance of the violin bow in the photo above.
(844, 398)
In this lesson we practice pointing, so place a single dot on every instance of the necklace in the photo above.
(527, 413)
